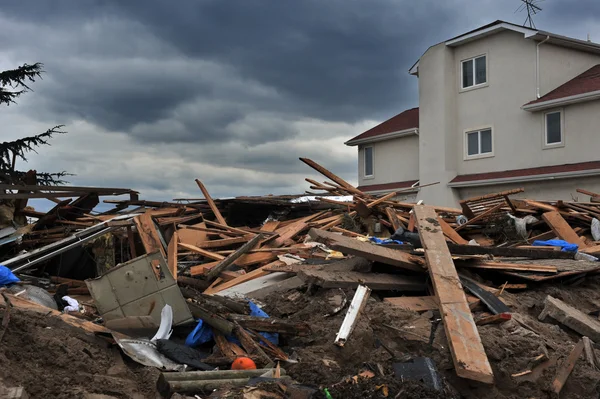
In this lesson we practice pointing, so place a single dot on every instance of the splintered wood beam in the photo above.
(451, 234)
(561, 228)
(228, 261)
(211, 203)
(148, 234)
(347, 186)
(394, 219)
(203, 252)
(377, 281)
(470, 360)
(511, 267)
(172, 255)
(366, 250)
(567, 367)
(225, 242)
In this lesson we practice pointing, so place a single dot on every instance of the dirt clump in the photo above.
(52, 359)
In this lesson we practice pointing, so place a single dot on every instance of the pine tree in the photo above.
(13, 83)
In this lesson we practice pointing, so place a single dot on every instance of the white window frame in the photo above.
(545, 144)
(487, 73)
(365, 175)
(478, 130)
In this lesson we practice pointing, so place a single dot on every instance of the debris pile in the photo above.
(336, 293)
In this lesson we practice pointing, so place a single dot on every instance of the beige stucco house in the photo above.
(500, 107)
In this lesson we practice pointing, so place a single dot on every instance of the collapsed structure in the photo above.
(340, 293)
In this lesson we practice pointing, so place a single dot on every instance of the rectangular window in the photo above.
(479, 142)
(474, 72)
(368, 161)
(553, 122)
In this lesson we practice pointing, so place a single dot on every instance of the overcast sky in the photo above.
(157, 93)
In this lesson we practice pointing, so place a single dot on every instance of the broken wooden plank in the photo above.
(590, 354)
(241, 279)
(148, 234)
(270, 226)
(211, 203)
(366, 250)
(272, 325)
(509, 252)
(331, 176)
(192, 236)
(470, 360)
(421, 303)
(376, 281)
(494, 319)
(252, 347)
(203, 252)
(361, 296)
(225, 242)
(571, 317)
(566, 368)
(562, 229)
(215, 271)
(394, 219)
(509, 266)
(172, 255)
(450, 233)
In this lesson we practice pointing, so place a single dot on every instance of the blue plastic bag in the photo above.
(258, 312)
(7, 277)
(565, 246)
(386, 241)
(201, 335)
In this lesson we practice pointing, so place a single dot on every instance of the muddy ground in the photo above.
(51, 359)
(54, 360)
(509, 346)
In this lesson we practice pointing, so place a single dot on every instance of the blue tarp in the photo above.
(386, 241)
(203, 332)
(565, 246)
(7, 277)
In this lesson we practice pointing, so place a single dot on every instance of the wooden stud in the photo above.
(211, 203)
(562, 229)
(566, 368)
(172, 255)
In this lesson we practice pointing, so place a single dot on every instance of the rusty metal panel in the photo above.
(133, 289)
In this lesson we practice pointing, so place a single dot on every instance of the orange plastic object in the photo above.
(243, 363)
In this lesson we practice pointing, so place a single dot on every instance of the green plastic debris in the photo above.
(327, 394)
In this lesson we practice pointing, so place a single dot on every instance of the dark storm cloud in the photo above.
(156, 93)
(334, 60)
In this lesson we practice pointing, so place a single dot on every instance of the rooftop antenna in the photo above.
(532, 8)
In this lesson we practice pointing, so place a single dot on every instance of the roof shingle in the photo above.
(544, 170)
(408, 119)
(587, 82)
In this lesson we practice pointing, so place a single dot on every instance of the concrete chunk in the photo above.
(571, 317)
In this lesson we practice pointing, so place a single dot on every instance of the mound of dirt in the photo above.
(52, 359)
(385, 335)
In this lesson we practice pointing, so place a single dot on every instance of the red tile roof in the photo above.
(544, 170)
(387, 186)
(587, 82)
(408, 119)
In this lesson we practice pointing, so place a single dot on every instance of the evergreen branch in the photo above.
(43, 178)
(18, 78)
(20, 147)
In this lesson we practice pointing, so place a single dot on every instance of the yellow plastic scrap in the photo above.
(384, 389)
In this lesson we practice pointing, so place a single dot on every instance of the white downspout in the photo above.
(537, 66)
